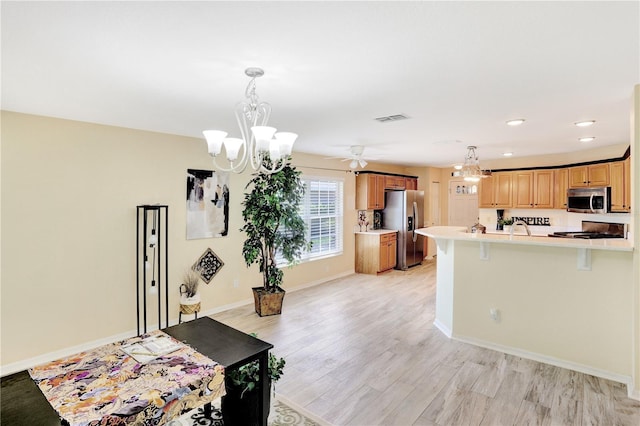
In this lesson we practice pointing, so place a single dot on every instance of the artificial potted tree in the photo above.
(273, 225)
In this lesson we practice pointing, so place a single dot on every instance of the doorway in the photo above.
(463, 203)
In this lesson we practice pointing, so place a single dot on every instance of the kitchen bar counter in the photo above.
(460, 233)
(565, 302)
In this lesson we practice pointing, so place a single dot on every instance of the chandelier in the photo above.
(471, 169)
(260, 145)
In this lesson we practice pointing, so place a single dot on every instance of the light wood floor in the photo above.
(363, 350)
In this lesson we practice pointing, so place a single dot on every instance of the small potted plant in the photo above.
(506, 223)
(240, 403)
(189, 296)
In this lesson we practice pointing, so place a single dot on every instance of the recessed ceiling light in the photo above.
(587, 139)
(507, 154)
(586, 123)
(515, 122)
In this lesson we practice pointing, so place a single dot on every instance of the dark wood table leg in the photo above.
(266, 387)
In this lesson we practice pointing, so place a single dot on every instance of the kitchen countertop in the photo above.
(460, 233)
(377, 231)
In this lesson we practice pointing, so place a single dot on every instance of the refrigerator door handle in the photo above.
(415, 221)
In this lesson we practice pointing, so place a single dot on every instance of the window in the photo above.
(322, 211)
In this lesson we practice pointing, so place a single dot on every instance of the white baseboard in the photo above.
(52, 356)
(581, 368)
(443, 328)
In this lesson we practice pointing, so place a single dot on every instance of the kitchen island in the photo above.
(567, 302)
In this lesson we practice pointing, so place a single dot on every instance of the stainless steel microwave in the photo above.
(589, 200)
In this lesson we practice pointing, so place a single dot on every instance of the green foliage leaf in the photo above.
(272, 222)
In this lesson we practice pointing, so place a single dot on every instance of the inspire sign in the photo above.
(537, 221)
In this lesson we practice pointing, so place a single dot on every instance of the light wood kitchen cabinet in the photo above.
(533, 189)
(627, 186)
(411, 183)
(620, 186)
(370, 191)
(394, 182)
(560, 185)
(589, 176)
(388, 251)
(495, 191)
(375, 252)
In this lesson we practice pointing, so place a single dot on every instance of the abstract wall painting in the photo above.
(207, 204)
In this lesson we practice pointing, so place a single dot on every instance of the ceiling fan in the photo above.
(356, 157)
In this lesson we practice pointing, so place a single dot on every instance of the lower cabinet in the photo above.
(388, 251)
(375, 252)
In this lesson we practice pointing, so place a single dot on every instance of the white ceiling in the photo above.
(459, 70)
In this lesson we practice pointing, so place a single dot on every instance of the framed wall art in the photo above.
(207, 204)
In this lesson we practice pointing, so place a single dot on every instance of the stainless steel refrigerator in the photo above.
(404, 211)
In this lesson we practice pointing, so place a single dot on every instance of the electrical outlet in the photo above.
(494, 314)
(236, 283)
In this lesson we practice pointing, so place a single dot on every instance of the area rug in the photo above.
(281, 414)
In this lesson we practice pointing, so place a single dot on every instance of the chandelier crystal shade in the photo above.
(259, 145)
(471, 171)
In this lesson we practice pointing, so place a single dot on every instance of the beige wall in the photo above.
(69, 197)
(555, 313)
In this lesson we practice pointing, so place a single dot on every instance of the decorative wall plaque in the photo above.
(208, 265)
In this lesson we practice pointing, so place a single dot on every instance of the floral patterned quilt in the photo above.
(105, 386)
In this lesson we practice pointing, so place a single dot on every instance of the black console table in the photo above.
(23, 403)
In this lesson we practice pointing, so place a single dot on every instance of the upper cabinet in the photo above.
(370, 188)
(560, 185)
(411, 183)
(589, 176)
(370, 192)
(533, 189)
(495, 191)
(620, 186)
(547, 188)
(394, 182)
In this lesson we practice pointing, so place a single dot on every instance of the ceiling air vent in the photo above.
(389, 118)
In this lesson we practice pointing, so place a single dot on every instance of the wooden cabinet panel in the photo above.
(523, 190)
(620, 186)
(387, 252)
(533, 189)
(543, 185)
(394, 182)
(589, 176)
(370, 192)
(599, 175)
(503, 190)
(375, 252)
(411, 183)
(627, 185)
(495, 191)
(578, 177)
(560, 185)
(485, 193)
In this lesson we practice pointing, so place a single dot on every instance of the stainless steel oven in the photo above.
(589, 200)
